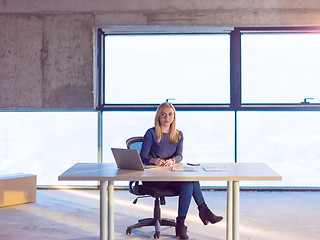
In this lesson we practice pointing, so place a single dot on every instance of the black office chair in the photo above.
(144, 191)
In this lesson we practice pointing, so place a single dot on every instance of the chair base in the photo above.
(156, 221)
(152, 222)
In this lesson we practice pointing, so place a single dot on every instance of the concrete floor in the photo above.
(74, 215)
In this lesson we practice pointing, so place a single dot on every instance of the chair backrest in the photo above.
(135, 188)
(135, 143)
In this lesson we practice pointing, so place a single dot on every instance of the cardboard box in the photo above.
(17, 188)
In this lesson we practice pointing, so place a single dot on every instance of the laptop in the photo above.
(128, 159)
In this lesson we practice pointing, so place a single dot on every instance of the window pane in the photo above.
(123, 126)
(280, 68)
(153, 68)
(47, 143)
(287, 141)
(208, 136)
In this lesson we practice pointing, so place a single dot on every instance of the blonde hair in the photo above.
(173, 134)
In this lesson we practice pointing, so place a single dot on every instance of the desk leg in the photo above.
(103, 211)
(110, 210)
(236, 210)
(229, 209)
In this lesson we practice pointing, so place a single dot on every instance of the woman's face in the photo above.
(166, 117)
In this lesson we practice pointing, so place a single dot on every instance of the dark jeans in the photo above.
(185, 189)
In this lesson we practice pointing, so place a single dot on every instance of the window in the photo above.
(286, 141)
(280, 68)
(152, 68)
(244, 94)
(47, 143)
(208, 136)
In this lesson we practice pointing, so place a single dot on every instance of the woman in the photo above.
(162, 146)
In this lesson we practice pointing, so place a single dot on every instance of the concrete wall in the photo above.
(46, 46)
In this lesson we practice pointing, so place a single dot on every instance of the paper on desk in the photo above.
(214, 168)
(182, 168)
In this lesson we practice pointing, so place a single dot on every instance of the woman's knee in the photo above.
(183, 186)
(187, 186)
(196, 184)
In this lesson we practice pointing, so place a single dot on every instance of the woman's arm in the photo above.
(145, 149)
(146, 154)
(178, 154)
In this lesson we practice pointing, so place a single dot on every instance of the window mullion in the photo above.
(235, 69)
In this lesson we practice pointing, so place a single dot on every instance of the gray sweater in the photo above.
(164, 149)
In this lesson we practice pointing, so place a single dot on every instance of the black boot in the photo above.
(207, 216)
(181, 229)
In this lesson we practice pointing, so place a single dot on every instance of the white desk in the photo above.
(108, 172)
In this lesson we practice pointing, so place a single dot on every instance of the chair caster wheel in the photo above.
(128, 231)
(157, 235)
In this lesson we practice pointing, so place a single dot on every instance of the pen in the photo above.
(157, 155)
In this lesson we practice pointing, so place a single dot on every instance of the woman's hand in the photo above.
(169, 162)
(162, 162)
(157, 161)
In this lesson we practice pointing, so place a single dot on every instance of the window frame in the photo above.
(150, 30)
(235, 67)
(273, 106)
